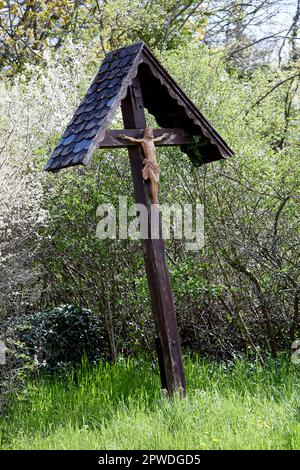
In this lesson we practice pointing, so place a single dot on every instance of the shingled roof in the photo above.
(162, 96)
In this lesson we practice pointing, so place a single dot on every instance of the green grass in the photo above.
(240, 405)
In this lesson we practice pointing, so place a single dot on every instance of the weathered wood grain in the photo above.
(176, 137)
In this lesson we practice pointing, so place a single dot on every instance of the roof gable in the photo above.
(161, 96)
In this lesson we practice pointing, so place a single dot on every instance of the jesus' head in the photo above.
(148, 133)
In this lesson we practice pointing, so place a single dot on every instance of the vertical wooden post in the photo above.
(170, 358)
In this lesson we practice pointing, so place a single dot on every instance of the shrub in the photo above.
(50, 340)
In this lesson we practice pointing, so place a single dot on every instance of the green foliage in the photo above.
(241, 291)
(196, 150)
(233, 405)
(27, 26)
(29, 29)
(241, 197)
(55, 338)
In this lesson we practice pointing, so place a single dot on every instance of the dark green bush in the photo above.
(54, 338)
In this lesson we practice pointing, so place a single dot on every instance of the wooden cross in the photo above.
(163, 309)
(133, 78)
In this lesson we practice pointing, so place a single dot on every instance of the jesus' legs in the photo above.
(154, 191)
(151, 171)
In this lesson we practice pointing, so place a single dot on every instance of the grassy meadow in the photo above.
(238, 405)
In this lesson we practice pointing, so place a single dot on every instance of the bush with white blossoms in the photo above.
(34, 110)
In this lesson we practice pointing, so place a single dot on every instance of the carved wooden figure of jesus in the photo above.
(151, 168)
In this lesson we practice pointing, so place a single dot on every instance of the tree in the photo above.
(254, 33)
(24, 127)
(28, 27)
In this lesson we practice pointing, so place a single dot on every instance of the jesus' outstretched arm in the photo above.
(131, 139)
(162, 137)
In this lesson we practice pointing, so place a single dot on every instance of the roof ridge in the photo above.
(128, 46)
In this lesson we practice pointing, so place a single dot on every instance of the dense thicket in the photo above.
(241, 292)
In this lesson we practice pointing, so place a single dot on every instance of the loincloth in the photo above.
(151, 170)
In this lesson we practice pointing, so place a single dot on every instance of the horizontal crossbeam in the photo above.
(176, 137)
